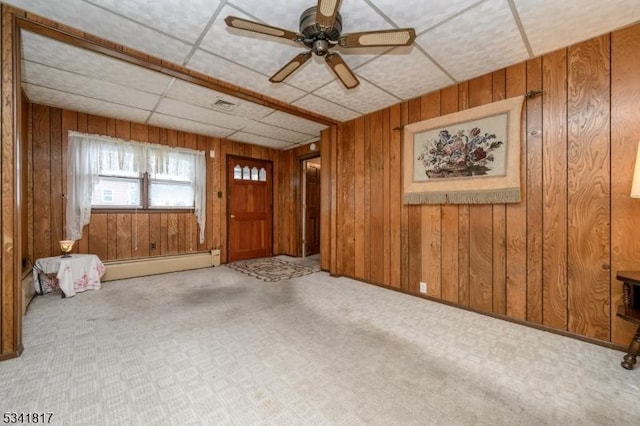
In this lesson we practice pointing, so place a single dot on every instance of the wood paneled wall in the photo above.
(549, 260)
(116, 235)
(10, 195)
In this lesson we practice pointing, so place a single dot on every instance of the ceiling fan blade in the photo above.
(326, 12)
(290, 67)
(399, 37)
(257, 27)
(342, 70)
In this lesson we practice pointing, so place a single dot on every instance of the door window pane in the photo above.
(237, 172)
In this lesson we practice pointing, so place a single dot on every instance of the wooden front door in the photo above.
(249, 208)
(312, 208)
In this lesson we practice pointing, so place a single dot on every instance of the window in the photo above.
(111, 173)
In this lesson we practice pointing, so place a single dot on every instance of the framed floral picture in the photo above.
(469, 157)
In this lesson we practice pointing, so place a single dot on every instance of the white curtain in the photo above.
(91, 155)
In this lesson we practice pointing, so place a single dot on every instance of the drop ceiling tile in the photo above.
(292, 122)
(261, 53)
(102, 23)
(260, 140)
(181, 19)
(551, 24)
(274, 132)
(203, 115)
(46, 51)
(45, 96)
(365, 98)
(393, 70)
(198, 95)
(65, 81)
(326, 108)
(481, 40)
(170, 122)
(233, 73)
(421, 14)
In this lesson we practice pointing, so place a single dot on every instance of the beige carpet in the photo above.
(213, 346)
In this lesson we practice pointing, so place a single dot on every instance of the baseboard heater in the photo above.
(117, 270)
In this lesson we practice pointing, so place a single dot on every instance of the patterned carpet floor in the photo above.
(272, 269)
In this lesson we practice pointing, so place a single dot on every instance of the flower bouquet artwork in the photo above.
(468, 157)
(464, 153)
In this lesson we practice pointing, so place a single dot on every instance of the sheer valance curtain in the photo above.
(89, 156)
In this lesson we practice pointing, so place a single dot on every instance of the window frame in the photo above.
(145, 190)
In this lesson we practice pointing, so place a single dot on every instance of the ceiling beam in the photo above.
(130, 56)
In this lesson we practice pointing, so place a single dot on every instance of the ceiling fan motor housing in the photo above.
(316, 37)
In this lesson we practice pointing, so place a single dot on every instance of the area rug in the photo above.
(271, 269)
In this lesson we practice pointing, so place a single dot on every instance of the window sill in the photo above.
(134, 211)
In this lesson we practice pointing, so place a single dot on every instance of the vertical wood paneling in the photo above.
(376, 202)
(414, 218)
(41, 182)
(56, 204)
(366, 218)
(555, 190)
(499, 92)
(481, 222)
(431, 218)
(386, 198)
(97, 228)
(516, 279)
(346, 201)
(395, 196)
(123, 231)
(589, 188)
(533, 134)
(625, 136)
(359, 195)
(463, 221)
(450, 241)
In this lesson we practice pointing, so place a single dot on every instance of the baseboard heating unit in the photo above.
(118, 270)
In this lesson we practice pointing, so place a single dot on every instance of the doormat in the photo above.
(271, 269)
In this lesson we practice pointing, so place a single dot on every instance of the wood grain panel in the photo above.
(516, 279)
(625, 131)
(481, 222)
(359, 198)
(98, 236)
(112, 236)
(554, 177)
(534, 194)
(41, 182)
(414, 217)
(366, 217)
(173, 228)
(346, 203)
(589, 188)
(56, 205)
(395, 196)
(326, 208)
(450, 241)
(386, 198)
(155, 235)
(376, 206)
(499, 237)
(431, 218)
(463, 221)
(123, 230)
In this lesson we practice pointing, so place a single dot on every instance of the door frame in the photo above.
(228, 159)
(302, 198)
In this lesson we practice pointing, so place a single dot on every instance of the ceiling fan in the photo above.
(320, 28)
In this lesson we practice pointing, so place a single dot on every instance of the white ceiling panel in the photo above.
(65, 81)
(264, 53)
(572, 21)
(461, 45)
(326, 108)
(198, 95)
(202, 115)
(47, 96)
(274, 132)
(59, 55)
(184, 20)
(421, 14)
(292, 122)
(364, 98)
(97, 21)
(241, 76)
(261, 140)
(415, 67)
(170, 122)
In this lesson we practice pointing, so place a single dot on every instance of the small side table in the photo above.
(630, 311)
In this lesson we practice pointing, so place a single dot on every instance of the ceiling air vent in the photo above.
(223, 105)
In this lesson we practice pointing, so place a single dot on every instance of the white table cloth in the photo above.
(73, 274)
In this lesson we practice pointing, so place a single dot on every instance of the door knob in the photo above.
(232, 216)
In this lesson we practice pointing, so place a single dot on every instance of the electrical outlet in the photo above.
(153, 246)
(423, 287)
